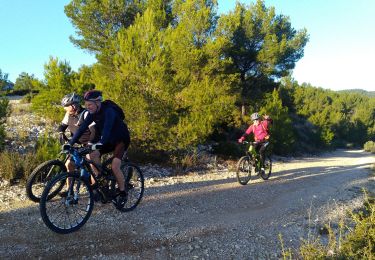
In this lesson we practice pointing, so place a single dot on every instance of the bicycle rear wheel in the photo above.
(267, 168)
(244, 168)
(134, 185)
(71, 208)
(41, 175)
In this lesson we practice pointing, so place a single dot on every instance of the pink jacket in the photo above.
(260, 131)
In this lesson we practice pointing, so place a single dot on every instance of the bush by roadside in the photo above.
(369, 146)
(16, 167)
(4, 111)
(354, 240)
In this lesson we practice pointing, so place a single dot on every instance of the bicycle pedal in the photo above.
(120, 201)
(96, 195)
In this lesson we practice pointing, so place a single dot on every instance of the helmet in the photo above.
(255, 116)
(93, 95)
(70, 99)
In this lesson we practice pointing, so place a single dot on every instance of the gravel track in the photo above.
(201, 215)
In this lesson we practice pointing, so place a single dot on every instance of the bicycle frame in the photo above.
(254, 154)
(81, 162)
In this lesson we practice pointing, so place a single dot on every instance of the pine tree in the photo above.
(282, 132)
(263, 46)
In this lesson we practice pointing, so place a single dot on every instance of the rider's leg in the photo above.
(116, 165)
(69, 164)
(116, 168)
(95, 157)
(262, 153)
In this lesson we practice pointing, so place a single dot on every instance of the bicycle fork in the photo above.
(73, 195)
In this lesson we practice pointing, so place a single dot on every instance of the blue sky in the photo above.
(339, 55)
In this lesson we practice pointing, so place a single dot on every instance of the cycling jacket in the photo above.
(109, 124)
(260, 131)
(72, 123)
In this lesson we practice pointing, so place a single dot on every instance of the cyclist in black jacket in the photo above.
(114, 135)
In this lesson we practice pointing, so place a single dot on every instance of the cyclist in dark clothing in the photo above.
(114, 135)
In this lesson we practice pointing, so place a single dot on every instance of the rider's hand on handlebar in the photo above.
(62, 138)
(240, 140)
(96, 146)
(66, 147)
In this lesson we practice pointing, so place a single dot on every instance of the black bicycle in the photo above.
(250, 164)
(66, 208)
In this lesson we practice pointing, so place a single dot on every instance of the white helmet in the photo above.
(255, 116)
(70, 99)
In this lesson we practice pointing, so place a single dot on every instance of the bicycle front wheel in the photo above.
(71, 208)
(267, 168)
(244, 168)
(41, 175)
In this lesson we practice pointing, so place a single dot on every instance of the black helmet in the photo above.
(255, 116)
(70, 99)
(93, 95)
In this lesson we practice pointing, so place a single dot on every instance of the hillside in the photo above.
(359, 91)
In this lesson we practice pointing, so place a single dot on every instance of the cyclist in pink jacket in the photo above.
(260, 129)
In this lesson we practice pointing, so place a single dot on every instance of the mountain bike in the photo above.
(250, 164)
(69, 209)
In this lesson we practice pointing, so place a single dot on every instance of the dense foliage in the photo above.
(185, 75)
(60, 80)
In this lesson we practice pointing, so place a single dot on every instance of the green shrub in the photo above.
(11, 166)
(4, 112)
(369, 146)
(47, 148)
(15, 166)
(360, 243)
(26, 99)
(230, 149)
(350, 242)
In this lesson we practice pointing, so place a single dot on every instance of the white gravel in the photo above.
(200, 215)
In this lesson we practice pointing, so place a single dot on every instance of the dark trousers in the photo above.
(260, 147)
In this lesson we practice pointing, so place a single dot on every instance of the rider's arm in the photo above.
(62, 127)
(88, 120)
(110, 116)
(64, 123)
(247, 132)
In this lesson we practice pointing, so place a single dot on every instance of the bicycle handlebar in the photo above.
(82, 150)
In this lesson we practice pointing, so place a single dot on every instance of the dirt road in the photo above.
(203, 216)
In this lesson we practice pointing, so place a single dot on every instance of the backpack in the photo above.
(116, 107)
(266, 130)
